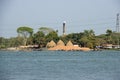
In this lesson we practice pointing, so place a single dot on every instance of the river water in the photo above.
(60, 65)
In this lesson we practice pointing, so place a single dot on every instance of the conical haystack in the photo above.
(51, 44)
(69, 43)
(48, 44)
(69, 46)
(60, 43)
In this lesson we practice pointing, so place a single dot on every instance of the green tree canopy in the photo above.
(46, 30)
(109, 32)
(39, 38)
(89, 33)
(109, 36)
(52, 36)
(25, 32)
(88, 39)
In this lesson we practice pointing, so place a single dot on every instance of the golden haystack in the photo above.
(60, 43)
(51, 44)
(69, 46)
(69, 43)
(48, 45)
(60, 46)
(57, 48)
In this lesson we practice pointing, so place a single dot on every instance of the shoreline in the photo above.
(46, 49)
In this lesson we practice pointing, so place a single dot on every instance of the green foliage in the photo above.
(52, 36)
(108, 32)
(2, 42)
(2, 46)
(25, 32)
(109, 36)
(75, 37)
(84, 40)
(39, 38)
(89, 33)
(11, 42)
(46, 30)
(90, 45)
(64, 39)
(88, 39)
(115, 38)
(44, 35)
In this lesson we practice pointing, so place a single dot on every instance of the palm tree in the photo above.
(89, 33)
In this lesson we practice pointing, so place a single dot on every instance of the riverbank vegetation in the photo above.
(87, 38)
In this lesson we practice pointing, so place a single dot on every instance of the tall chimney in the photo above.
(64, 22)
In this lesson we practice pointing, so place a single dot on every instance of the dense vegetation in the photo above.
(26, 36)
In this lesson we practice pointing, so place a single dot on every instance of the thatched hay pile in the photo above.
(51, 44)
(60, 43)
(69, 43)
(69, 47)
(60, 46)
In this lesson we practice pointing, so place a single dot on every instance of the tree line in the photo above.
(87, 38)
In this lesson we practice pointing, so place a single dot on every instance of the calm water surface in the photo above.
(60, 65)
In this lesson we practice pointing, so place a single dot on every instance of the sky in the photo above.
(79, 15)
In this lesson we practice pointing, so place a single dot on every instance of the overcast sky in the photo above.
(79, 15)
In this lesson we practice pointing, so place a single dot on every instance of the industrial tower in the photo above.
(64, 22)
(117, 24)
(118, 29)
